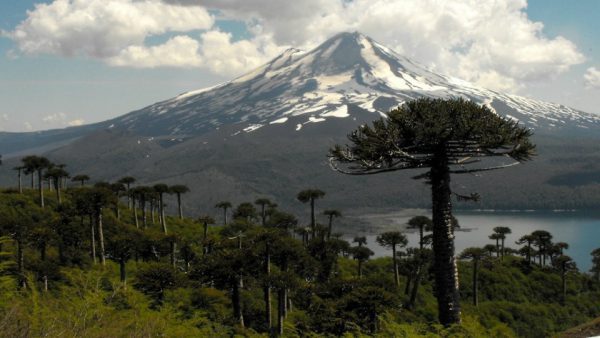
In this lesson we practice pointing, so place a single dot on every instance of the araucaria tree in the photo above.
(447, 137)
(393, 239)
(310, 195)
(178, 190)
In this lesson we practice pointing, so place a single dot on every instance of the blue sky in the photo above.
(80, 74)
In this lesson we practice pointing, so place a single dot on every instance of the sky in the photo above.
(71, 62)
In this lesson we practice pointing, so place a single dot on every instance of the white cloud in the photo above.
(77, 122)
(592, 78)
(489, 42)
(54, 118)
(28, 126)
(180, 51)
(102, 28)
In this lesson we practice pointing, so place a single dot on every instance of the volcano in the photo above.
(267, 133)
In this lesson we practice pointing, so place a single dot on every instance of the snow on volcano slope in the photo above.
(348, 70)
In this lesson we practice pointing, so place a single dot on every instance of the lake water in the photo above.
(581, 230)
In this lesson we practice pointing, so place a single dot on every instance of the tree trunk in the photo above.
(56, 185)
(144, 215)
(45, 283)
(497, 248)
(359, 268)
(313, 221)
(330, 227)
(205, 232)
(237, 304)
(446, 274)
(267, 287)
(415, 288)
(129, 199)
(225, 215)
(135, 214)
(179, 206)
(20, 184)
(152, 204)
(263, 216)
(280, 310)
(161, 207)
(173, 249)
(41, 188)
(93, 240)
(475, 282)
(101, 237)
(563, 276)
(407, 286)
(32, 179)
(421, 237)
(43, 251)
(123, 272)
(396, 276)
(502, 256)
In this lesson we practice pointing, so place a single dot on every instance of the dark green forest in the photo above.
(104, 260)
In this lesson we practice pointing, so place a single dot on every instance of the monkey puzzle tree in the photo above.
(361, 254)
(127, 181)
(474, 254)
(310, 195)
(502, 232)
(331, 214)
(528, 240)
(161, 190)
(178, 190)
(393, 239)
(81, 179)
(224, 205)
(263, 203)
(422, 223)
(448, 137)
(19, 170)
(56, 175)
(37, 164)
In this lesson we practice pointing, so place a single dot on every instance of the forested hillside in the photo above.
(105, 261)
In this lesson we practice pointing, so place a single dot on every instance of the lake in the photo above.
(581, 230)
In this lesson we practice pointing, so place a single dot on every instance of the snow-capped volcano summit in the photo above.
(349, 72)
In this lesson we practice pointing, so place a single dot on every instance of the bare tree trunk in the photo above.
(237, 304)
(41, 188)
(179, 206)
(92, 226)
(475, 282)
(415, 288)
(163, 221)
(280, 310)
(135, 215)
(267, 287)
(446, 274)
(396, 276)
(20, 184)
(101, 237)
(313, 221)
(123, 272)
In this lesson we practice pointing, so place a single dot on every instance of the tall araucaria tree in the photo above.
(476, 255)
(502, 232)
(178, 190)
(422, 223)
(81, 179)
(19, 170)
(310, 195)
(37, 164)
(263, 203)
(161, 190)
(56, 175)
(127, 181)
(224, 205)
(331, 214)
(449, 137)
(393, 239)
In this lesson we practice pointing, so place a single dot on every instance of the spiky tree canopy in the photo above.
(309, 194)
(179, 189)
(412, 135)
(392, 238)
(474, 253)
(223, 205)
(332, 213)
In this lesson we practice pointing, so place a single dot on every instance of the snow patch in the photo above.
(281, 120)
(298, 127)
(339, 112)
(252, 127)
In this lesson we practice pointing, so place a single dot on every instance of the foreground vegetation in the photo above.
(253, 280)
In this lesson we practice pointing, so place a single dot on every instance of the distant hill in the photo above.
(268, 132)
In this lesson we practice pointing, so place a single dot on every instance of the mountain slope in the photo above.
(349, 69)
(268, 132)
